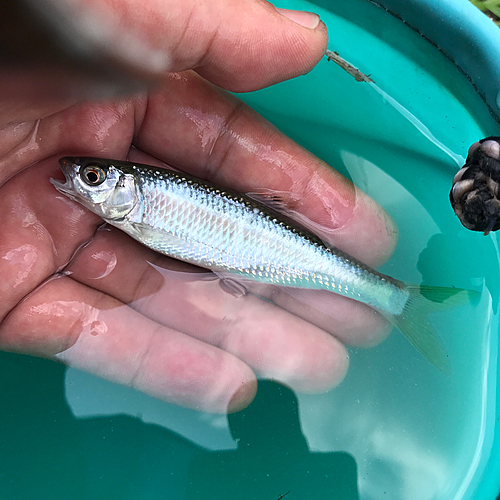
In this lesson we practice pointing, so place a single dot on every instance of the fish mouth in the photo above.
(68, 169)
(63, 187)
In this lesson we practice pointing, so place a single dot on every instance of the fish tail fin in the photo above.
(414, 320)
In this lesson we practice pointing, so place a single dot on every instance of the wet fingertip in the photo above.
(340, 367)
(327, 373)
(373, 233)
(377, 335)
(370, 330)
(243, 396)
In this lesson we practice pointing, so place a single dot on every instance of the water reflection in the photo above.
(270, 429)
(465, 255)
(46, 452)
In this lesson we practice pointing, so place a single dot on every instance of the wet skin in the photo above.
(123, 312)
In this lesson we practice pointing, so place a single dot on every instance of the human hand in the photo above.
(123, 312)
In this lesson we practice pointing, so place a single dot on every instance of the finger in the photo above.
(272, 341)
(114, 263)
(241, 45)
(352, 322)
(214, 136)
(40, 230)
(88, 330)
(104, 129)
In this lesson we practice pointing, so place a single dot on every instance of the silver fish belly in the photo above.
(196, 222)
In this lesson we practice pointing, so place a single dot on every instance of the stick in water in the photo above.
(354, 72)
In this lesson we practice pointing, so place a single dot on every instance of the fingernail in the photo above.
(242, 397)
(307, 19)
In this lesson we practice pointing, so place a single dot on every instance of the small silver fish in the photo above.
(192, 220)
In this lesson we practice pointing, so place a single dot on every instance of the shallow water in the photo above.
(396, 427)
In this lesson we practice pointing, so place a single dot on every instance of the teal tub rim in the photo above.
(463, 33)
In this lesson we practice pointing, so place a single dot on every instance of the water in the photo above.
(396, 427)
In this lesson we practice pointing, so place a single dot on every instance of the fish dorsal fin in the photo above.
(279, 202)
(272, 199)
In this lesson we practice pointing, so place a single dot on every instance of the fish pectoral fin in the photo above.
(166, 243)
(232, 284)
(137, 231)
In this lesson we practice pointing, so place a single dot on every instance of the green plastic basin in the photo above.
(396, 428)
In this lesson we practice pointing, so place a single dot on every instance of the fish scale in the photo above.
(195, 221)
(224, 232)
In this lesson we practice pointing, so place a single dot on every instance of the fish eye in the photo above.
(93, 175)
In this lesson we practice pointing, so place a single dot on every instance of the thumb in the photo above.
(244, 45)
(240, 45)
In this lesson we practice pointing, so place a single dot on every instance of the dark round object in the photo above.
(476, 187)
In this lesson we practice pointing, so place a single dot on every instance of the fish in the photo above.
(235, 234)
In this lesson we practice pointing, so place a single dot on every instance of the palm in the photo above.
(123, 312)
